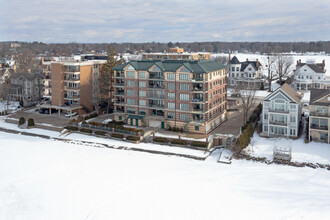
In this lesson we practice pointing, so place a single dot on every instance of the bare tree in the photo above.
(106, 78)
(248, 99)
(26, 61)
(269, 63)
(284, 66)
(221, 59)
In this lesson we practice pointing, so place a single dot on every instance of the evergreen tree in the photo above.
(106, 78)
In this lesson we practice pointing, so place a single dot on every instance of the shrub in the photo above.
(177, 141)
(85, 130)
(159, 139)
(100, 133)
(132, 138)
(169, 128)
(21, 121)
(199, 144)
(71, 128)
(30, 122)
(93, 115)
(181, 130)
(115, 135)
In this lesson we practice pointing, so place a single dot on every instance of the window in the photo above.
(265, 116)
(184, 97)
(292, 131)
(233, 69)
(196, 128)
(184, 107)
(292, 106)
(292, 118)
(142, 84)
(210, 85)
(171, 95)
(171, 105)
(130, 92)
(184, 76)
(184, 87)
(130, 74)
(120, 118)
(265, 128)
(171, 86)
(237, 68)
(210, 96)
(142, 75)
(130, 83)
(130, 101)
(142, 112)
(184, 117)
(171, 115)
(142, 93)
(142, 102)
(171, 76)
(131, 110)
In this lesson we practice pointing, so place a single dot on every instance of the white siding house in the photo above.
(310, 76)
(281, 112)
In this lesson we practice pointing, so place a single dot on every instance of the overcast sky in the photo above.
(164, 20)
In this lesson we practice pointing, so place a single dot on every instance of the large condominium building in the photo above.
(73, 85)
(245, 74)
(176, 54)
(176, 93)
(319, 115)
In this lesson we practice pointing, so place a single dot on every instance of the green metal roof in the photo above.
(203, 66)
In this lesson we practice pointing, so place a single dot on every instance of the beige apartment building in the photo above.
(176, 54)
(73, 85)
(319, 115)
(171, 93)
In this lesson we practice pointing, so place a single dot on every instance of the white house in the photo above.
(310, 75)
(281, 112)
(246, 74)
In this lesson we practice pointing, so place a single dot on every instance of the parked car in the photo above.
(236, 94)
(46, 111)
(72, 115)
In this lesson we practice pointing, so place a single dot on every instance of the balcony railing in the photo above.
(71, 78)
(197, 110)
(71, 88)
(279, 110)
(120, 101)
(197, 100)
(156, 106)
(283, 123)
(197, 79)
(313, 126)
(120, 93)
(156, 86)
(120, 75)
(321, 114)
(197, 89)
(120, 84)
(151, 96)
(120, 110)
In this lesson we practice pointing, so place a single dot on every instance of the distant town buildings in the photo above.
(171, 93)
(176, 54)
(247, 74)
(281, 112)
(310, 75)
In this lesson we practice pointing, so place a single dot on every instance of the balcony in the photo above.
(156, 86)
(119, 84)
(120, 93)
(197, 79)
(153, 96)
(319, 114)
(120, 101)
(282, 123)
(72, 78)
(71, 88)
(120, 110)
(198, 88)
(197, 100)
(156, 105)
(318, 127)
(156, 76)
(119, 75)
(279, 110)
(73, 97)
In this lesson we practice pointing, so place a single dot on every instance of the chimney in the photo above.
(229, 57)
(257, 63)
(323, 65)
(247, 59)
(299, 60)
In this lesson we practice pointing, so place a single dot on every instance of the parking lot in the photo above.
(44, 119)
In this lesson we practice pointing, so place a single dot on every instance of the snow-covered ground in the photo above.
(12, 105)
(45, 179)
(111, 142)
(301, 152)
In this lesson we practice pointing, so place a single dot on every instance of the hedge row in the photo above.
(132, 138)
(93, 115)
(85, 130)
(160, 139)
(115, 135)
(100, 133)
(199, 144)
(177, 141)
(244, 139)
(71, 128)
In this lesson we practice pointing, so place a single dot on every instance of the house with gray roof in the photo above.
(281, 112)
(310, 75)
(171, 93)
(245, 74)
(319, 115)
